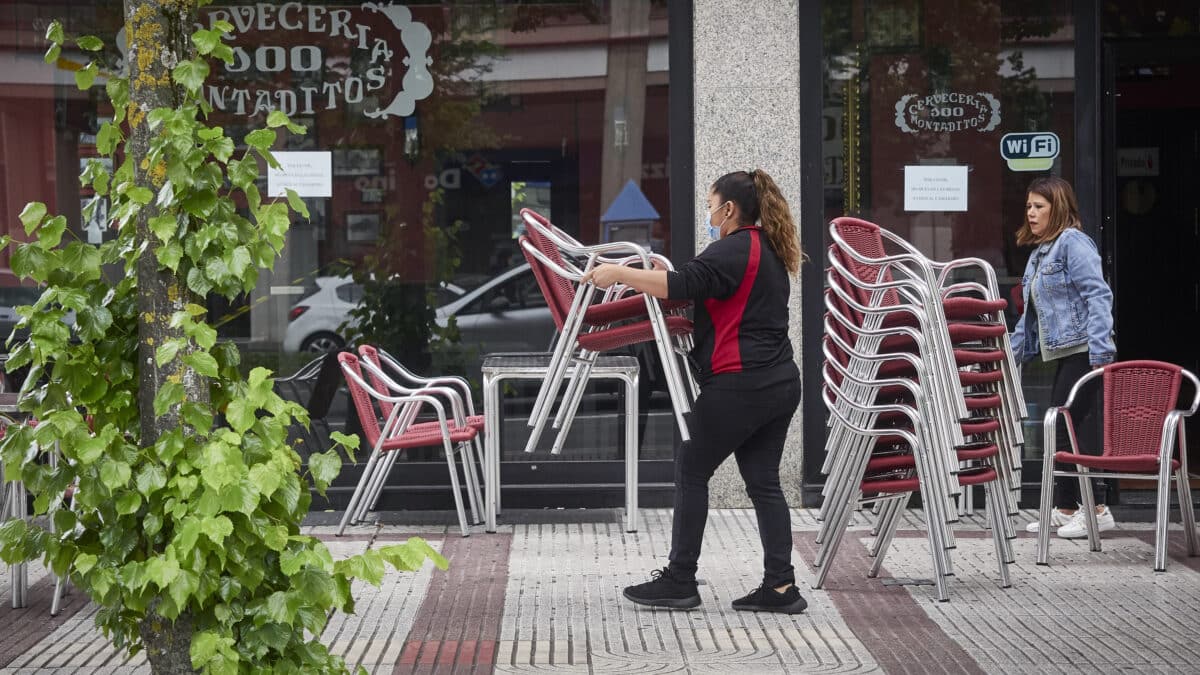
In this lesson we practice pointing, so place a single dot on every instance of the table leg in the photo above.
(631, 453)
(19, 571)
(491, 441)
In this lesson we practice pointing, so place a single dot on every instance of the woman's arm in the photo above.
(1017, 340)
(653, 282)
(1083, 266)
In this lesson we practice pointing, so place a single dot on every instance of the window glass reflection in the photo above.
(429, 126)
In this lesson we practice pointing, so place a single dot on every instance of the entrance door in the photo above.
(1152, 201)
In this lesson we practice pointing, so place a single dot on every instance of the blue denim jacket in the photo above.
(1074, 303)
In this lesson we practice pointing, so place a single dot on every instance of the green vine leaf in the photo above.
(190, 74)
(54, 33)
(203, 363)
(296, 203)
(51, 232)
(206, 40)
(164, 227)
(90, 43)
(114, 474)
(140, 195)
(261, 139)
(167, 351)
(85, 77)
(32, 215)
(325, 466)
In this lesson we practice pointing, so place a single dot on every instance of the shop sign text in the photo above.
(946, 112)
(326, 80)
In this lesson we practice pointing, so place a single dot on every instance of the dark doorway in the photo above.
(1152, 200)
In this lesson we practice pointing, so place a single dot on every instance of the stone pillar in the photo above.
(747, 115)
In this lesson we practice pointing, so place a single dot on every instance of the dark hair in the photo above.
(759, 200)
(1064, 210)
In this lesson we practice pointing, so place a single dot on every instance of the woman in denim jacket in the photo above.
(1067, 320)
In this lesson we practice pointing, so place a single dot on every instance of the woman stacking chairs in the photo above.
(588, 327)
(922, 394)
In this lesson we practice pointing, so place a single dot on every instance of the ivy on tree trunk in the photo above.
(187, 497)
(159, 34)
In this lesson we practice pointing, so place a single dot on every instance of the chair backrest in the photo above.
(370, 354)
(362, 398)
(558, 291)
(1137, 397)
(864, 238)
(552, 228)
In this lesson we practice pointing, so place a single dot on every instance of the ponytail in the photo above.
(760, 201)
(776, 219)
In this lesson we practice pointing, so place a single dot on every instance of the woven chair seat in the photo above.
(607, 339)
(1120, 463)
(626, 308)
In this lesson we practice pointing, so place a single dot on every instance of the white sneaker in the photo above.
(1077, 528)
(1057, 520)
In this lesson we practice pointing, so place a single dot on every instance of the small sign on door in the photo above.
(309, 173)
(1137, 161)
(935, 188)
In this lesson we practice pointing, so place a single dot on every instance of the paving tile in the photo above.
(546, 597)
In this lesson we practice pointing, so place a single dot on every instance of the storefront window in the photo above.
(928, 91)
(430, 125)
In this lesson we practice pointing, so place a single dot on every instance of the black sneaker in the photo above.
(665, 590)
(767, 599)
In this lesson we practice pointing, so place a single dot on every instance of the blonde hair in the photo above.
(760, 201)
(1064, 210)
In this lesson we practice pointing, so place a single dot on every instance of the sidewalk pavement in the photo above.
(546, 596)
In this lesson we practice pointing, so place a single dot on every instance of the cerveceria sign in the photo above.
(304, 58)
(947, 112)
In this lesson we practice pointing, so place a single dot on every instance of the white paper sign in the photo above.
(935, 188)
(310, 174)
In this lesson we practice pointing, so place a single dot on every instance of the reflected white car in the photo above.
(506, 313)
(315, 322)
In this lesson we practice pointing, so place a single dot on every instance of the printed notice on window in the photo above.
(310, 174)
(935, 188)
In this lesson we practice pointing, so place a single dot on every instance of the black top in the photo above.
(740, 288)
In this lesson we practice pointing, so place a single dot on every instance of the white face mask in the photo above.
(714, 231)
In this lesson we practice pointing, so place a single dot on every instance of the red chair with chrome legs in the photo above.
(400, 431)
(1144, 438)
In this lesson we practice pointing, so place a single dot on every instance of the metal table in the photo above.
(13, 505)
(500, 367)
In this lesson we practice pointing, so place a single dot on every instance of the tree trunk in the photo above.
(158, 33)
(168, 644)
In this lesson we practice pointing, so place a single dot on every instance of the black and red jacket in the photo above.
(740, 288)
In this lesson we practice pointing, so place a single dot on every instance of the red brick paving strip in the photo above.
(458, 623)
(24, 628)
(888, 621)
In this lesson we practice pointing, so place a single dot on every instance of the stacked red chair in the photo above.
(923, 395)
(589, 325)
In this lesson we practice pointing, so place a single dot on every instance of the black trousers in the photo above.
(1086, 413)
(752, 426)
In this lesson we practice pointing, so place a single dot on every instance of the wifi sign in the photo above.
(1031, 151)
